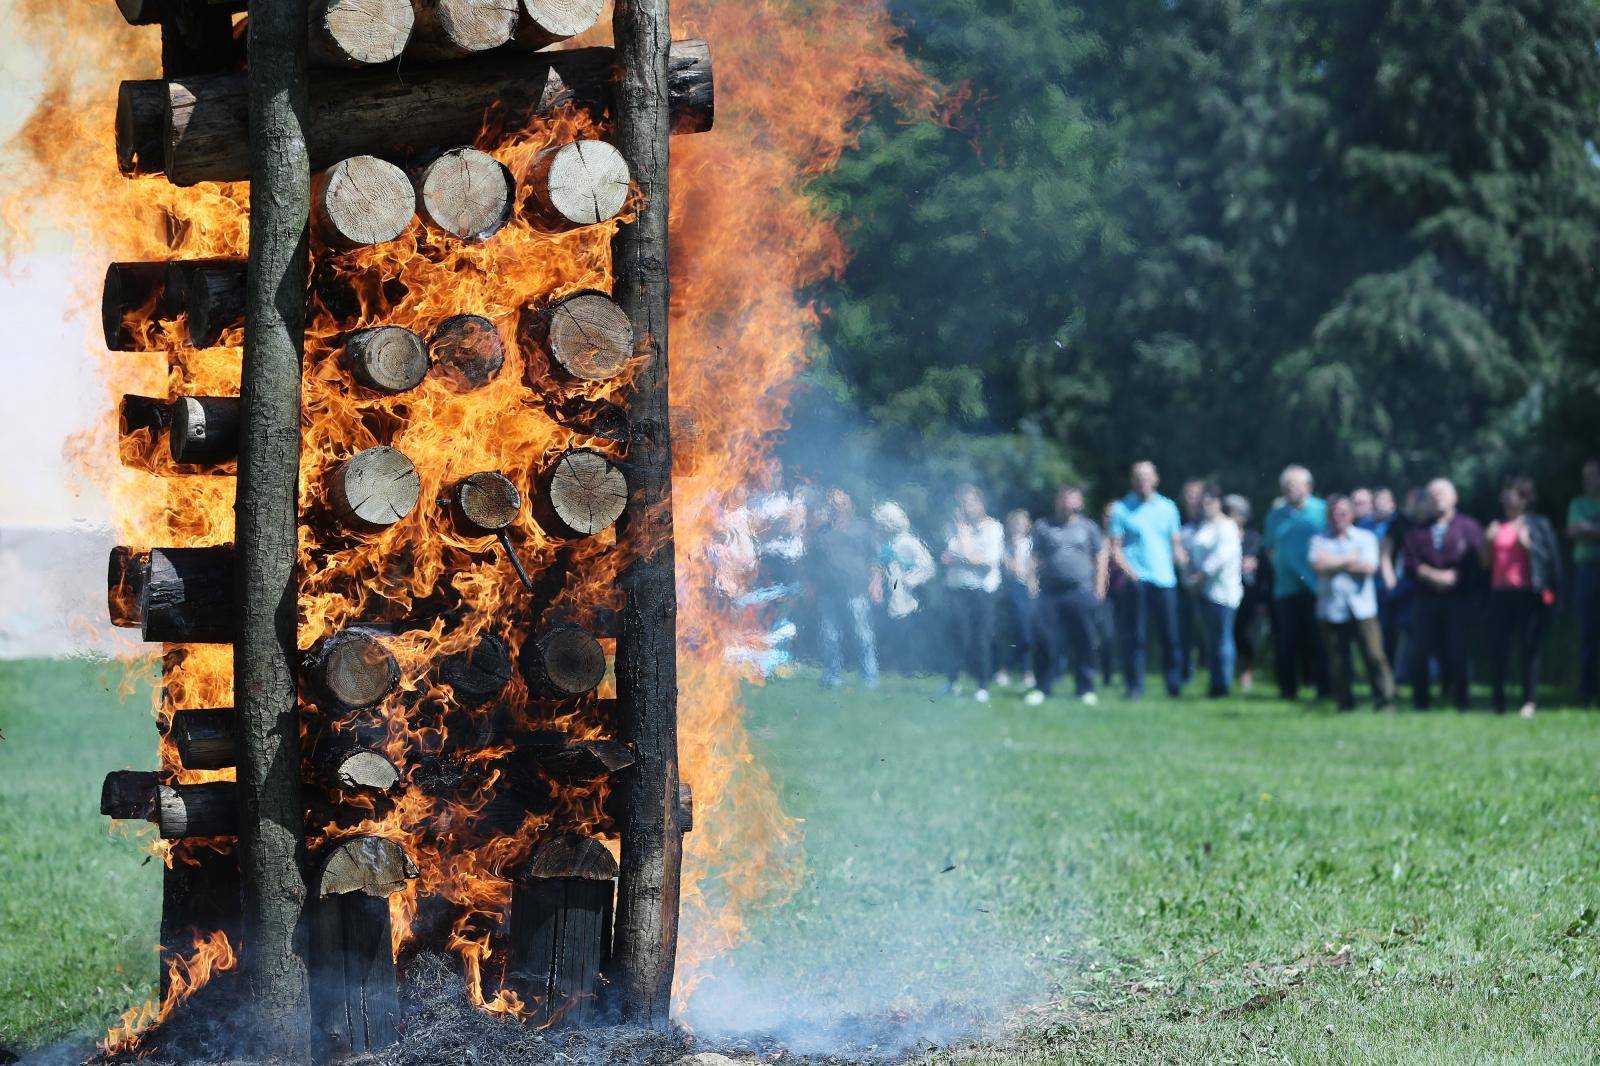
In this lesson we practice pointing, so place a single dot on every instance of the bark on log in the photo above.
(205, 429)
(545, 22)
(389, 114)
(478, 676)
(583, 493)
(360, 201)
(355, 999)
(374, 488)
(563, 663)
(360, 770)
(467, 351)
(129, 795)
(355, 669)
(134, 291)
(206, 739)
(584, 337)
(210, 293)
(127, 570)
(647, 678)
(141, 120)
(387, 359)
(560, 935)
(466, 193)
(208, 810)
(271, 836)
(450, 29)
(356, 33)
(189, 596)
(576, 184)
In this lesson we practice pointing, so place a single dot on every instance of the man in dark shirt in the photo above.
(1069, 552)
(1443, 558)
(845, 577)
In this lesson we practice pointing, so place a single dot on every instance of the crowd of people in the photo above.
(1414, 590)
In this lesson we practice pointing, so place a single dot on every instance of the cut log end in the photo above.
(141, 127)
(127, 570)
(586, 336)
(357, 670)
(210, 292)
(449, 29)
(466, 193)
(567, 662)
(361, 770)
(361, 201)
(544, 22)
(205, 738)
(129, 795)
(188, 596)
(578, 184)
(375, 488)
(132, 291)
(571, 855)
(370, 865)
(467, 351)
(388, 359)
(488, 500)
(205, 429)
(356, 33)
(585, 493)
(478, 675)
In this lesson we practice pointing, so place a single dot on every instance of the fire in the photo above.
(185, 973)
(792, 87)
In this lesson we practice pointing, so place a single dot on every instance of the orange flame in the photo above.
(185, 975)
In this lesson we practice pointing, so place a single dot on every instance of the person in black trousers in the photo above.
(1523, 558)
(1443, 554)
(1071, 561)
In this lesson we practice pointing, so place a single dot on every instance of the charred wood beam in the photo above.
(127, 570)
(560, 931)
(180, 811)
(188, 596)
(206, 738)
(211, 295)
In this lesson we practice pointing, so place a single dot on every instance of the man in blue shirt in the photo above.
(1287, 541)
(1145, 545)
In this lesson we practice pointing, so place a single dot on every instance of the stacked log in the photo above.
(374, 488)
(187, 596)
(584, 337)
(354, 669)
(356, 33)
(560, 937)
(563, 663)
(547, 22)
(205, 738)
(205, 429)
(467, 352)
(466, 193)
(360, 201)
(584, 493)
(386, 359)
(577, 184)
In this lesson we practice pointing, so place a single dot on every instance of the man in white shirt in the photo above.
(971, 557)
(1345, 558)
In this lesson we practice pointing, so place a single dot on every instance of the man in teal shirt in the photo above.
(1287, 542)
(1145, 544)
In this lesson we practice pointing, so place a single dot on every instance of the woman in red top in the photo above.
(1523, 559)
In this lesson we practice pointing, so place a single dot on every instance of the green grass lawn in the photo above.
(1163, 882)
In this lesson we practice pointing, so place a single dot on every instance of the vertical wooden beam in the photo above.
(271, 829)
(647, 670)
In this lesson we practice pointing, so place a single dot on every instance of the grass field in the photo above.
(1161, 882)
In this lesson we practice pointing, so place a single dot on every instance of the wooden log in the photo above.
(205, 429)
(388, 113)
(587, 760)
(211, 295)
(647, 670)
(466, 193)
(150, 12)
(585, 337)
(208, 810)
(127, 570)
(480, 674)
(133, 292)
(374, 488)
(141, 122)
(467, 351)
(129, 795)
(450, 29)
(205, 738)
(560, 929)
(487, 501)
(148, 413)
(584, 493)
(387, 359)
(360, 770)
(545, 22)
(563, 663)
(199, 897)
(197, 38)
(355, 669)
(360, 201)
(188, 596)
(576, 184)
(355, 999)
(355, 33)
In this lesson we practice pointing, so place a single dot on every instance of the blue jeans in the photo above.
(1148, 605)
(1588, 596)
(1217, 621)
(835, 614)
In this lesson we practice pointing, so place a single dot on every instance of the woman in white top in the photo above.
(972, 553)
(1216, 578)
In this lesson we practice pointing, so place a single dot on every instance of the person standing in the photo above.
(1070, 555)
(1583, 526)
(1442, 557)
(907, 564)
(1287, 542)
(1019, 593)
(1346, 559)
(1145, 545)
(1216, 570)
(972, 555)
(1191, 627)
(1378, 523)
(1524, 562)
(1257, 584)
(1112, 600)
(847, 582)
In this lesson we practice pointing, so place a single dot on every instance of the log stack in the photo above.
(407, 105)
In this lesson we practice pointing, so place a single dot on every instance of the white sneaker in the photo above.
(1029, 681)
(1033, 698)
(1002, 679)
(982, 695)
(1091, 699)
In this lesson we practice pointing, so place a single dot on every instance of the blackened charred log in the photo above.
(188, 596)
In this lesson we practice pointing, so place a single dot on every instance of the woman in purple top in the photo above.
(1443, 556)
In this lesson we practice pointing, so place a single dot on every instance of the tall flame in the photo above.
(794, 83)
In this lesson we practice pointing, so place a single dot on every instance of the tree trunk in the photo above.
(584, 337)
(206, 738)
(647, 674)
(387, 359)
(450, 29)
(189, 596)
(584, 493)
(205, 429)
(271, 836)
(544, 22)
(355, 33)
(360, 201)
(387, 113)
(374, 488)
(466, 193)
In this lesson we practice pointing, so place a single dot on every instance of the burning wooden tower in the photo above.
(449, 719)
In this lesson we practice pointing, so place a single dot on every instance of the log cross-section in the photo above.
(577, 184)
(387, 359)
(466, 193)
(467, 352)
(355, 33)
(448, 29)
(360, 201)
(355, 669)
(584, 493)
(585, 336)
(563, 663)
(544, 22)
(374, 488)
